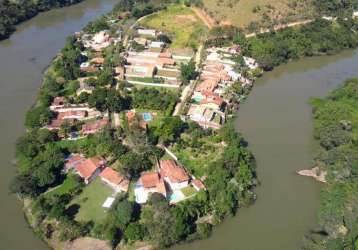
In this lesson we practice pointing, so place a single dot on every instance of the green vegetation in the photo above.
(261, 12)
(185, 29)
(317, 38)
(154, 99)
(188, 191)
(90, 201)
(336, 129)
(14, 12)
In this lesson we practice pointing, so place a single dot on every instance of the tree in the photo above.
(134, 232)
(164, 38)
(132, 164)
(38, 116)
(124, 212)
(187, 72)
(105, 77)
(98, 99)
(170, 129)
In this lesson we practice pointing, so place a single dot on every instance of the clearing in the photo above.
(180, 23)
(91, 200)
(242, 13)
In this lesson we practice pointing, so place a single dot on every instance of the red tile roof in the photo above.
(111, 176)
(175, 173)
(88, 167)
(73, 161)
(150, 179)
(93, 127)
(198, 183)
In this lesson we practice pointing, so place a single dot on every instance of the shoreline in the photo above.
(302, 173)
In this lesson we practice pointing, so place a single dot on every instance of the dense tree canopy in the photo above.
(336, 131)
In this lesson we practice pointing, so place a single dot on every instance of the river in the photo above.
(23, 58)
(276, 121)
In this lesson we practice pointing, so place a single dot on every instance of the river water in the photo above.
(276, 121)
(23, 57)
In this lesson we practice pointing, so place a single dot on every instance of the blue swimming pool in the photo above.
(147, 117)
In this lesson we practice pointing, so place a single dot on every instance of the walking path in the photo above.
(165, 85)
(207, 20)
(280, 27)
(188, 90)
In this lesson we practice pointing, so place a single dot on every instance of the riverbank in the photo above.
(74, 210)
(14, 13)
(335, 123)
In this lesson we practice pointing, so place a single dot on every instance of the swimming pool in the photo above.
(147, 117)
(176, 196)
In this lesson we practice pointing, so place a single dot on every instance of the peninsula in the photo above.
(131, 141)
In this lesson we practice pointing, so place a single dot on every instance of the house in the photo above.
(147, 32)
(250, 62)
(72, 161)
(114, 180)
(58, 102)
(141, 41)
(89, 69)
(173, 174)
(235, 49)
(205, 117)
(140, 70)
(156, 45)
(197, 184)
(149, 183)
(208, 85)
(212, 101)
(84, 87)
(89, 169)
(94, 126)
(97, 61)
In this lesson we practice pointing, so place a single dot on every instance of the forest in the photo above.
(317, 38)
(15, 12)
(336, 130)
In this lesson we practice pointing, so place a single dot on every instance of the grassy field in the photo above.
(69, 184)
(241, 13)
(198, 157)
(91, 200)
(180, 23)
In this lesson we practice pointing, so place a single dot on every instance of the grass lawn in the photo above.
(180, 23)
(240, 13)
(188, 191)
(68, 184)
(91, 200)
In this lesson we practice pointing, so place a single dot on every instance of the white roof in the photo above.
(108, 202)
(156, 44)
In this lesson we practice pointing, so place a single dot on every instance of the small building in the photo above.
(89, 169)
(173, 174)
(198, 184)
(94, 126)
(58, 102)
(97, 61)
(157, 45)
(114, 180)
(72, 161)
(108, 202)
(141, 41)
(149, 183)
(147, 32)
(140, 70)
